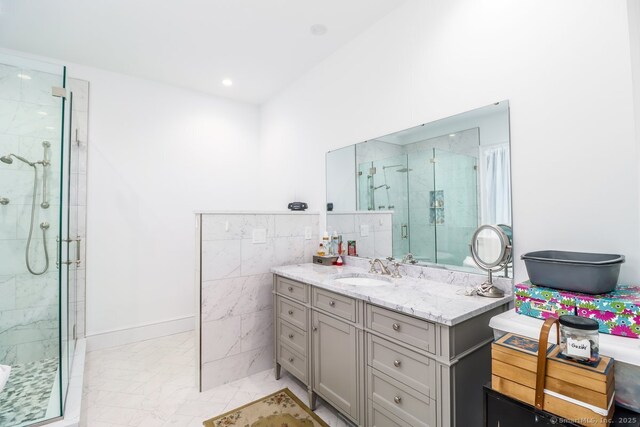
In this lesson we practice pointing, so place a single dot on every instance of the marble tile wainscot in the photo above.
(235, 252)
(372, 231)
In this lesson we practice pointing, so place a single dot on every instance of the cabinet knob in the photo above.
(290, 312)
(291, 360)
(290, 288)
(332, 303)
(397, 399)
(396, 327)
(290, 336)
(397, 363)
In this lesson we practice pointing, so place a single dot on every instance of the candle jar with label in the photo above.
(579, 339)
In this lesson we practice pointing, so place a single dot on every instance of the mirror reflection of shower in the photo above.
(44, 226)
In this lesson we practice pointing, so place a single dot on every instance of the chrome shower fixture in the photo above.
(403, 168)
(4, 201)
(46, 161)
(8, 159)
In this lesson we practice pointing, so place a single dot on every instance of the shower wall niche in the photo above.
(42, 199)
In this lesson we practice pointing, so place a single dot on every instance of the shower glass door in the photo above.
(390, 189)
(454, 205)
(32, 318)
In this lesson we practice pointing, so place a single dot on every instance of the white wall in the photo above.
(564, 67)
(156, 154)
(341, 179)
(634, 41)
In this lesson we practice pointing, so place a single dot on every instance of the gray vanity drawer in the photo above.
(292, 289)
(409, 367)
(409, 330)
(379, 417)
(294, 337)
(293, 362)
(407, 404)
(333, 303)
(292, 312)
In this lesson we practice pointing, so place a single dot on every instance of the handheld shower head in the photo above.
(6, 159)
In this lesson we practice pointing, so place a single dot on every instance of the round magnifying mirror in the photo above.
(488, 247)
(491, 251)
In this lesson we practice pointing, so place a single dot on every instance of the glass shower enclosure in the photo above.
(432, 194)
(37, 319)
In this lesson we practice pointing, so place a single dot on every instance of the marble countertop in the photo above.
(438, 302)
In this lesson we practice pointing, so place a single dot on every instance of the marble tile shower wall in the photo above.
(236, 307)
(375, 242)
(29, 115)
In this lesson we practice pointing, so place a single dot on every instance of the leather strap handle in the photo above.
(541, 373)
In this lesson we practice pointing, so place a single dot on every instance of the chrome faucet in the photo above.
(4, 201)
(408, 258)
(383, 268)
(396, 273)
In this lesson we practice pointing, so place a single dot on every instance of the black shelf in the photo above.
(503, 411)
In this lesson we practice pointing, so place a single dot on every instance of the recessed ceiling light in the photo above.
(49, 127)
(42, 113)
(318, 29)
(452, 134)
(227, 82)
(24, 76)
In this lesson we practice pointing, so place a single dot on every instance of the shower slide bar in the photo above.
(46, 162)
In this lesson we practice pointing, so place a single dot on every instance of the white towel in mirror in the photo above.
(4, 375)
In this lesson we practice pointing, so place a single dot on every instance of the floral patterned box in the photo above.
(617, 312)
(541, 302)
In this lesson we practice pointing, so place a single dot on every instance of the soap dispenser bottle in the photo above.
(326, 243)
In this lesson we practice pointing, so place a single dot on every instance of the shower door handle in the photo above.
(58, 252)
(404, 231)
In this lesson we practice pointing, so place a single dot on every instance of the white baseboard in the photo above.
(139, 333)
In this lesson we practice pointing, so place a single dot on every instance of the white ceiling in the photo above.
(262, 45)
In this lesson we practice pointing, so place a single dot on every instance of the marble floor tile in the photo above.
(153, 383)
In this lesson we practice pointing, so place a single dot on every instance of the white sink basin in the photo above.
(362, 281)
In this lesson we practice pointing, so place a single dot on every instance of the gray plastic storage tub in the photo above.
(574, 271)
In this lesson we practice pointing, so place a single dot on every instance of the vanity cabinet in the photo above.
(335, 362)
(291, 320)
(319, 339)
(380, 367)
(401, 380)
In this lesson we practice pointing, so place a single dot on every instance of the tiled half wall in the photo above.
(237, 251)
(371, 231)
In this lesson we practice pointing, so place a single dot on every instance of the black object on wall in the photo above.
(298, 206)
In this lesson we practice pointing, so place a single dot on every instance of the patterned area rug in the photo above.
(26, 395)
(280, 409)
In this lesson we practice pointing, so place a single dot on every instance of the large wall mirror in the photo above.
(437, 182)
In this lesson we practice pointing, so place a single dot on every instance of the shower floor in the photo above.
(25, 398)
